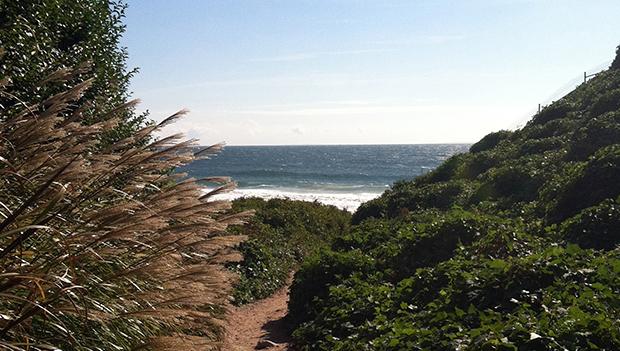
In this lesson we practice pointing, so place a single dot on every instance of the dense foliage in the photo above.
(39, 37)
(281, 234)
(512, 246)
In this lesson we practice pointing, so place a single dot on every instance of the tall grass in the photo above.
(103, 247)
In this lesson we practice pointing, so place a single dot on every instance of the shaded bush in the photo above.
(408, 196)
(585, 185)
(375, 208)
(616, 62)
(446, 171)
(490, 141)
(596, 227)
(539, 146)
(438, 240)
(562, 127)
(606, 102)
(557, 110)
(477, 164)
(594, 135)
(315, 276)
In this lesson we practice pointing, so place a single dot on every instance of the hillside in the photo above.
(511, 246)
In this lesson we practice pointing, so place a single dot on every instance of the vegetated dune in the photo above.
(511, 246)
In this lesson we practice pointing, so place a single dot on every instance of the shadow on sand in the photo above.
(278, 332)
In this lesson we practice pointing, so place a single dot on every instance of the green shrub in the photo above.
(596, 227)
(562, 127)
(490, 141)
(477, 164)
(375, 208)
(282, 232)
(539, 146)
(43, 36)
(267, 261)
(585, 185)
(313, 279)
(616, 62)
(436, 241)
(444, 172)
(606, 102)
(557, 110)
(410, 197)
(597, 133)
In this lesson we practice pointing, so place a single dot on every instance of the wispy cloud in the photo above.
(433, 39)
(312, 79)
(430, 39)
(299, 56)
(359, 110)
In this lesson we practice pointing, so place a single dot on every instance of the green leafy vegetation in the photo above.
(281, 234)
(39, 37)
(512, 246)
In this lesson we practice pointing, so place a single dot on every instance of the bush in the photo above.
(375, 208)
(616, 62)
(557, 110)
(562, 127)
(315, 276)
(282, 233)
(490, 141)
(585, 185)
(540, 146)
(445, 172)
(406, 196)
(595, 134)
(44, 36)
(606, 102)
(596, 227)
(437, 241)
(477, 164)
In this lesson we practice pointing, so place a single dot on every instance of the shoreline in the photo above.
(348, 201)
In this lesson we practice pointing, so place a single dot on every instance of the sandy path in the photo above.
(251, 325)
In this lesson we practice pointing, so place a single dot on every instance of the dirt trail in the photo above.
(260, 325)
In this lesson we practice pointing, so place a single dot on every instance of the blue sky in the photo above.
(360, 72)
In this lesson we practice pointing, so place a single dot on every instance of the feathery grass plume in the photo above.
(101, 246)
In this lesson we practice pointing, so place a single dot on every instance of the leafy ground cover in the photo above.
(281, 234)
(511, 246)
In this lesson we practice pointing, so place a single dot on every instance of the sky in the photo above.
(267, 72)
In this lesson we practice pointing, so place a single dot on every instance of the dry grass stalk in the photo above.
(101, 245)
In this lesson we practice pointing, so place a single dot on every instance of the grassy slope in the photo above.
(512, 246)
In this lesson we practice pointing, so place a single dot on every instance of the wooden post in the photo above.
(538, 108)
(584, 77)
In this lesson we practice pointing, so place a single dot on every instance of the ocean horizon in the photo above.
(341, 175)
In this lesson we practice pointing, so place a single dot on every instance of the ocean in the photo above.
(340, 175)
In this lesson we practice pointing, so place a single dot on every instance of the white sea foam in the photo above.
(347, 201)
